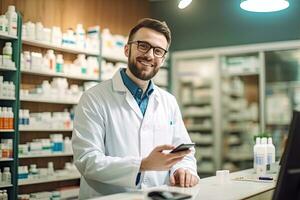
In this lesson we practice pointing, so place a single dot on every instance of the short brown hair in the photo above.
(153, 24)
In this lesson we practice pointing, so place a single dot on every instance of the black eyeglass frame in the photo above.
(150, 47)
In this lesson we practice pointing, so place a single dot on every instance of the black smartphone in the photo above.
(164, 195)
(182, 147)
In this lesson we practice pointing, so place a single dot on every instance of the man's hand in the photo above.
(160, 161)
(183, 178)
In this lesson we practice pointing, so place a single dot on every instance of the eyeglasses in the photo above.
(144, 47)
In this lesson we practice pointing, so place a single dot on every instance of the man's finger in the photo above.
(172, 180)
(164, 147)
(178, 154)
(188, 177)
(181, 177)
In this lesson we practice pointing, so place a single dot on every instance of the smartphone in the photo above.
(182, 147)
(164, 195)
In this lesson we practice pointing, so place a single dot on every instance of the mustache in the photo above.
(146, 58)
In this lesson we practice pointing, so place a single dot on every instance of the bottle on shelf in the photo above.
(51, 60)
(6, 176)
(3, 25)
(7, 50)
(12, 18)
(59, 63)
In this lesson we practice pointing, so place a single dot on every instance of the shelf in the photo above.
(58, 47)
(44, 73)
(47, 155)
(7, 130)
(5, 185)
(198, 128)
(2, 68)
(6, 159)
(228, 74)
(43, 129)
(189, 115)
(238, 157)
(114, 58)
(48, 101)
(50, 179)
(8, 37)
(198, 103)
(7, 98)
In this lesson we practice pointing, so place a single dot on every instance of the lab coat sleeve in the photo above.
(88, 142)
(180, 135)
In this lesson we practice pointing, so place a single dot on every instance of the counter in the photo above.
(210, 189)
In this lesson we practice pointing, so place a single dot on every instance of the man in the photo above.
(124, 126)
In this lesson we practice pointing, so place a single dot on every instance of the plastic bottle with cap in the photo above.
(6, 176)
(270, 151)
(255, 159)
(261, 157)
(3, 25)
(7, 50)
(59, 63)
(51, 60)
(12, 18)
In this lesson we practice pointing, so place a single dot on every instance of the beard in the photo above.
(142, 73)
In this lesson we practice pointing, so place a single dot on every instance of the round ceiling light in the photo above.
(264, 5)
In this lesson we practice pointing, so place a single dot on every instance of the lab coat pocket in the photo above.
(162, 134)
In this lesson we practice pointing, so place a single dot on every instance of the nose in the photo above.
(150, 53)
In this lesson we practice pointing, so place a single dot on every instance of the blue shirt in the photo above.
(137, 93)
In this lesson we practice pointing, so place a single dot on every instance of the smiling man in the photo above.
(124, 126)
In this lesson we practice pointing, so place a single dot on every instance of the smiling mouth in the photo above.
(145, 63)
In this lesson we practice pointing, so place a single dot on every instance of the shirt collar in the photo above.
(134, 89)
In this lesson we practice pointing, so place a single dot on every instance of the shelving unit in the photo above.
(240, 85)
(269, 73)
(195, 91)
(30, 78)
(12, 74)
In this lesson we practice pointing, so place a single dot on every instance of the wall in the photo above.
(211, 23)
(117, 15)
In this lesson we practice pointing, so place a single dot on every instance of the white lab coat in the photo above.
(111, 136)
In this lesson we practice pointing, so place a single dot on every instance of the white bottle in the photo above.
(3, 25)
(5, 196)
(27, 60)
(6, 176)
(67, 145)
(59, 63)
(261, 157)
(12, 18)
(26, 117)
(7, 50)
(255, 159)
(270, 151)
(12, 89)
(51, 60)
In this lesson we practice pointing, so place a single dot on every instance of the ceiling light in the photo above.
(184, 3)
(264, 5)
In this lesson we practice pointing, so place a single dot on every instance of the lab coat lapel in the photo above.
(152, 104)
(119, 86)
(133, 104)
